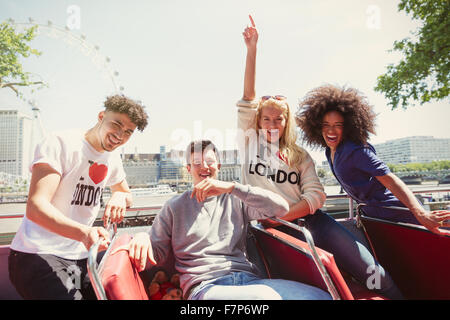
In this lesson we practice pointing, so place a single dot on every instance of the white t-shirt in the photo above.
(264, 168)
(85, 173)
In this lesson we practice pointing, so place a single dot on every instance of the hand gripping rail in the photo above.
(94, 271)
(309, 239)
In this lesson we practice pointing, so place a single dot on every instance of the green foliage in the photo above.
(429, 166)
(424, 72)
(13, 47)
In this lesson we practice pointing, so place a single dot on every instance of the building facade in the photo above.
(15, 142)
(414, 149)
(170, 167)
(141, 173)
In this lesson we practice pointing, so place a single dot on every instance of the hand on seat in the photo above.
(140, 250)
(434, 220)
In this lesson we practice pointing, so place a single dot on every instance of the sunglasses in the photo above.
(277, 97)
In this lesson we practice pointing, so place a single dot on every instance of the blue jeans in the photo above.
(247, 286)
(349, 253)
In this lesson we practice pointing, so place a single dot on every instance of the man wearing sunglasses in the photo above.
(69, 173)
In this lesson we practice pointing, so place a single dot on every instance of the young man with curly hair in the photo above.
(69, 173)
(340, 120)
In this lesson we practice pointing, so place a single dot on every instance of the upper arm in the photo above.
(388, 180)
(161, 234)
(43, 185)
(44, 181)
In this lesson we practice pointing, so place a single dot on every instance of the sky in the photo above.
(185, 61)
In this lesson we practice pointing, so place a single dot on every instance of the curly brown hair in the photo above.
(133, 109)
(359, 117)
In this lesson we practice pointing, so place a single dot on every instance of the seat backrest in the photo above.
(119, 277)
(289, 258)
(417, 259)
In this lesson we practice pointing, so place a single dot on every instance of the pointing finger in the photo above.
(251, 20)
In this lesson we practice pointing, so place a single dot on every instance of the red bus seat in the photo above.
(417, 259)
(289, 258)
(119, 277)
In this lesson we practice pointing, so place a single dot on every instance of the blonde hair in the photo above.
(287, 143)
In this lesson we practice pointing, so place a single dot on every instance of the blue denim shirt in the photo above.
(355, 167)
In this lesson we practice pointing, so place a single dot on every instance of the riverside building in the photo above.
(15, 142)
(413, 149)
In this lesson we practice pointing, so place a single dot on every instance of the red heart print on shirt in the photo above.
(97, 172)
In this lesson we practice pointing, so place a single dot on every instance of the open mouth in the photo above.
(205, 175)
(113, 140)
(331, 138)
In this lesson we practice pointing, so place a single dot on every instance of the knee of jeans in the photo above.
(266, 293)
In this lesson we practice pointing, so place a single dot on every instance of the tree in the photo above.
(423, 73)
(13, 46)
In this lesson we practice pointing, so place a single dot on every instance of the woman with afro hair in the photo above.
(340, 120)
(272, 160)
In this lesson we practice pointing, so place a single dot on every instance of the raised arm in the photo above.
(44, 183)
(251, 38)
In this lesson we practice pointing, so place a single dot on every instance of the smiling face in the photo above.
(333, 129)
(272, 121)
(114, 130)
(203, 165)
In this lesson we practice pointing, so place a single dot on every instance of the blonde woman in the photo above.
(271, 159)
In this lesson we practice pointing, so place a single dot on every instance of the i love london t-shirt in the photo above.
(85, 173)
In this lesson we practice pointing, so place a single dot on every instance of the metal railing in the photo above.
(329, 197)
(94, 274)
(351, 207)
(315, 256)
(94, 270)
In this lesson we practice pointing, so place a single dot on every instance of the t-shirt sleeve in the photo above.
(49, 151)
(118, 173)
(367, 161)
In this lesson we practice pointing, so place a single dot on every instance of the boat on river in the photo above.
(156, 191)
